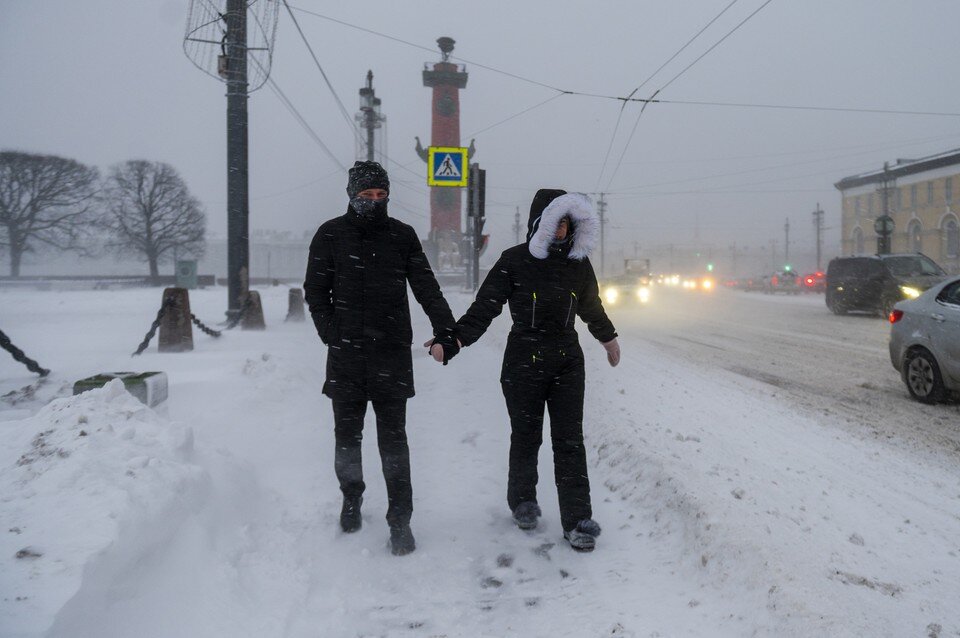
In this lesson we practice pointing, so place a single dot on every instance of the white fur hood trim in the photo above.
(579, 208)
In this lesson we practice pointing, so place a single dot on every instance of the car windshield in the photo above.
(912, 266)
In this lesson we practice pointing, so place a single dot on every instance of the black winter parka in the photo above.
(356, 289)
(545, 297)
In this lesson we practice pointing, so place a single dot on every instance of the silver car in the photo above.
(925, 342)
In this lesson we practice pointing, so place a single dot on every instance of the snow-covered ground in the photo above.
(728, 509)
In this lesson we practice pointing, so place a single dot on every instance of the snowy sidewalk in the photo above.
(724, 514)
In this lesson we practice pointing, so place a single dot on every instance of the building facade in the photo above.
(923, 198)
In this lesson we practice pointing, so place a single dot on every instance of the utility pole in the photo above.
(516, 227)
(238, 204)
(476, 217)
(773, 253)
(818, 224)
(733, 260)
(369, 117)
(884, 224)
(602, 209)
(786, 248)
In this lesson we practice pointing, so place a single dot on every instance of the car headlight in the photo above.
(707, 284)
(910, 292)
(643, 294)
(610, 295)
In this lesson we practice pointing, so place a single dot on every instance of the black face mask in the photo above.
(369, 208)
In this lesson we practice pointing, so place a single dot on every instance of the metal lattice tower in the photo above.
(205, 42)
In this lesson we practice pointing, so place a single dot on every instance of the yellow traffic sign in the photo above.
(447, 166)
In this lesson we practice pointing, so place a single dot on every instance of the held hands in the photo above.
(442, 349)
(613, 351)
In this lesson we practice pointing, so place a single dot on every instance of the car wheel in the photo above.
(835, 307)
(922, 376)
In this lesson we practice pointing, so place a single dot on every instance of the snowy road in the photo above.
(740, 493)
(822, 363)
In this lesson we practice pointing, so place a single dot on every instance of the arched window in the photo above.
(857, 240)
(951, 232)
(915, 236)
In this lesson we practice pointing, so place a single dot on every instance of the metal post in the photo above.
(818, 223)
(786, 249)
(238, 239)
(885, 227)
(478, 221)
(602, 209)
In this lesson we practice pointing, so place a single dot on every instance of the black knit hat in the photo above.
(366, 175)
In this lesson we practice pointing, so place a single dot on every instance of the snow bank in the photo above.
(76, 478)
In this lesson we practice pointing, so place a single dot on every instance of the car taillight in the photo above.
(895, 316)
(809, 281)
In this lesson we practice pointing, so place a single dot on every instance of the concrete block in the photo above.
(149, 387)
(176, 330)
(253, 317)
(295, 305)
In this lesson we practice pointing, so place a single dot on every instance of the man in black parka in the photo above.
(356, 288)
(548, 282)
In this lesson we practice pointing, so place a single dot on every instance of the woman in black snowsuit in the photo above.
(548, 282)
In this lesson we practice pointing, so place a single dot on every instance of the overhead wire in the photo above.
(623, 106)
(633, 131)
(316, 61)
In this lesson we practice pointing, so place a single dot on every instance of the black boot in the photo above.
(401, 540)
(526, 514)
(350, 514)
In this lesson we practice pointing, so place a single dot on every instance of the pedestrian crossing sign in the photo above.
(446, 166)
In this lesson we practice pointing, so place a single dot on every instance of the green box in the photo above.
(149, 387)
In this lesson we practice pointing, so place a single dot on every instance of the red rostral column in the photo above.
(446, 79)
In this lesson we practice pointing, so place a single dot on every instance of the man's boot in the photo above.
(401, 540)
(526, 514)
(350, 514)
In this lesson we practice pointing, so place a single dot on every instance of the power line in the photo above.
(343, 109)
(296, 114)
(672, 80)
(623, 106)
(431, 50)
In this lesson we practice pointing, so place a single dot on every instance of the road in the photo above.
(817, 361)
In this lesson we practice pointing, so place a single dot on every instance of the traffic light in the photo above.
(709, 267)
(787, 267)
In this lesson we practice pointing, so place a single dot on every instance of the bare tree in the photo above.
(149, 212)
(44, 199)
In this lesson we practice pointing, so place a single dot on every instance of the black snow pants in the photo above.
(394, 453)
(537, 374)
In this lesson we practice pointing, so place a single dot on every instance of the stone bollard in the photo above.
(253, 317)
(176, 331)
(295, 305)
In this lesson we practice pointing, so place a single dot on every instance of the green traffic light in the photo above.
(709, 267)
(788, 268)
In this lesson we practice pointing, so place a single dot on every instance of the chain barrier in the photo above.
(204, 328)
(18, 354)
(233, 323)
(168, 303)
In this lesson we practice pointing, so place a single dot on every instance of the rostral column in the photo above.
(446, 79)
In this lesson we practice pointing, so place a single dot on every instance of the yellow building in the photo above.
(923, 200)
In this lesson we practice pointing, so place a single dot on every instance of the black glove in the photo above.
(449, 345)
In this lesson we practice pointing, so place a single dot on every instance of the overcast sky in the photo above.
(104, 81)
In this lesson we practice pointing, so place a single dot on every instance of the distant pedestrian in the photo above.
(548, 282)
(356, 289)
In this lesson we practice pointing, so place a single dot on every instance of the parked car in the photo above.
(874, 283)
(925, 342)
